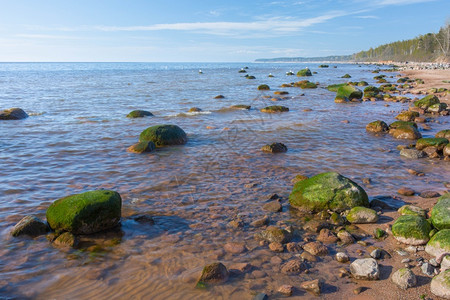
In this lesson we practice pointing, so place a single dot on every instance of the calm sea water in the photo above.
(76, 137)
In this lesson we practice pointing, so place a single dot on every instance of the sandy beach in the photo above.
(433, 79)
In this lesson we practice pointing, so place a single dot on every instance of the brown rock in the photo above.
(276, 247)
(235, 248)
(241, 267)
(313, 286)
(316, 248)
(293, 247)
(327, 236)
(261, 222)
(406, 191)
(308, 256)
(294, 266)
(429, 194)
(286, 289)
(212, 274)
(345, 237)
(276, 260)
(273, 206)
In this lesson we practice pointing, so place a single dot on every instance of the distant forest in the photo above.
(430, 47)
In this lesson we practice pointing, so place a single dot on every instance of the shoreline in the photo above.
(432, 79)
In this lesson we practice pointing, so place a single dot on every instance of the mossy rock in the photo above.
(440, 214)
(327, 191)
(241, 106)
(274, 235)
(405, 132)
(346, 76)
(398, 124)
(363, 83)
(378, 77)
(263, 87)
(407, 116)
(194, 109)
(349, 92)
(304, 72)
(85, 213)
(305, 84)
(411, 230)
(281, 93)
(214, 273)
(250, 77)
(427, 101)
(323, 66)
(362, 215)
(275, 109)
(377, 126)
(436, 108)
(412, 210)
(66, 239)
(275, 148)
(340, 99)
(164, 135)
(440, 285)
(139, 114)
(13, 114)
(439, 243)
(335, 87)
(29, 225)
(388, 88)
(141, 147)
(439, 143)
(443, 134)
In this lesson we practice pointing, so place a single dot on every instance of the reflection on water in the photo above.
(75, 141)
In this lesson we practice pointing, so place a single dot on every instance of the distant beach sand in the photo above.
(433, 79)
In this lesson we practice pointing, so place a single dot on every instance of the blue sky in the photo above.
(208, 30)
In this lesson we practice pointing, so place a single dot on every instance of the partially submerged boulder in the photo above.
(411, 230)
(377, 126)
(275, 109)
(13, 114)
(305, 84)
(348, 93)
(139, 114)
(407, 116)
(439, 143)
(85, 213)
(263, 87)
(275, 148)
(141, 147)
(426, 102)
(29, 225)
(327, 191)
(404, 130)
(164, 135)
(214, 273)
(304, 72)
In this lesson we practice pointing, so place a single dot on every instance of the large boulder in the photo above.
(439, 243)
(85, 213)
(439, 143)
(440, 214)
(327, 191)
(164, 135)
(411, 230)
(13, 114)
(304, 72)
(426, 102)
(348, 92)
(407, 116)
(440, 285)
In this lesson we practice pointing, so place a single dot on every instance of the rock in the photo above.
(195, 109)
(293, 247)
(376, 254)
(348, 92)
(316, 248)
(443, 134)
(335, 87)
(336, 219)
(275, 148)
(426, 102)
(298, 178)
(437, 108)
(345, 237)
(439, 244)
(406, 191)
(273, 206)
(164, 135)
(346, 76)
(377, 126)
(358, 290)
(236, 223)
(294, 266)
(327, 236)
(263, 87)
(213, 274)
(342, 257)
(13, 114)
(141, 147)
(261, 296)
(411, 230)
(412, 153)
(427, 269)
(304, 72)
(407, 116)
(429, 194)
(260, 222)
(439, 143)
(445, 263)
(85, 213)
(412, 210)
(313, 286)
(139, 114)
(446, 150)
(327, 191)
(405, 132)
(240, 106)
(440, 285)
(29, 225)
(362, 215)
(365, 268)
(276, 247)
(379, 233)
(440, 214)
(66, 239)
(286, 289)
(235, 248)
(308, 256)
(219, 97)
(305, 84)
(404, 278)
(275, 109)
(274, 234)
(241, 267)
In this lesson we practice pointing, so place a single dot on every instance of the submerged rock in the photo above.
(141, 147)
(263, 87)
(240, 106)
(139, 114)
(407, 116)
(440, 214)
(164, 135)
(13, 114)
(214, 273)
(305, 84)
(66, 239)
(366, 269)
(327, 191)
(275, 148)
(404, 131)
(439, 143)
(274, 109)
(29, 225)
(274, 234)
(348, 92)
(412, 153)
(85, 213)
(411, 230)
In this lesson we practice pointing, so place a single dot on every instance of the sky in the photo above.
(207, 30)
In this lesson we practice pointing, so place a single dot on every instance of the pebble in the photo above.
(433, 262)
(286, 289)
(358, 290)
(416, 173)
(276, 247)
(375, 254)
(427, 269)
(273, 206)
(406, 191)
(412, 249)
(429, 194)
(261, 222)
(406, 260)
(401, 252)
(342, 257)
(313, 286)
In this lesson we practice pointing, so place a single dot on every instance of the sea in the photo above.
(76, 137)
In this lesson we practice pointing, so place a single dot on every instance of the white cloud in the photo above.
(401, 2)
(367, 17)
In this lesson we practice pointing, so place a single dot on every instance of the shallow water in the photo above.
(76, 137)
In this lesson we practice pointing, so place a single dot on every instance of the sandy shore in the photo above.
(433, 79)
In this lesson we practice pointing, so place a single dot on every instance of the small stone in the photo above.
(358, 290)
(313, 286)
(406, 191)
(405, 261)
(241, 267)
(273, 206)
(429, 194)
(433, 262)
(366, 269)
(316, 248)
(404, 278)
(274, 234)
(276, 247)
(286, 289)
(294, 266)
(327, 236)
(375, 254)
(261, 222)
(402, 253)
(212, 274)
(66, 239)
(276, 260)
(236, 223)
(308, 256)
(427, 269)
(342, 257)
(235, 248)
(411, 249)
(293, 247)
(412, 153)
(345, 237)
(366, 180)
(29, 225)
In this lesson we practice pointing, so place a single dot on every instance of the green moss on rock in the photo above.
(263, 87)
(305, 84)
(439, 243)
(139, 114)
(440, 214)
(411, 230)
(241, 106)
(439, 143)
(13, 114)
(85, 213)
(407, 116)
(412, 210)
(349, 92)
(304, 72)
(377, 126)
(164, 135)
(427, 101)
(362, 215)
(327, 191)
(335, 87)
(275, 109)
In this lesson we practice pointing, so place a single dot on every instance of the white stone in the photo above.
(365, 268)
(440, 285)
(404, 278)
